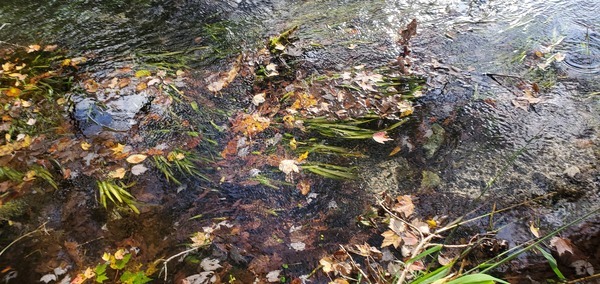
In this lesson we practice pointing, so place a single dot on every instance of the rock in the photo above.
(430, 180)
(434, 141)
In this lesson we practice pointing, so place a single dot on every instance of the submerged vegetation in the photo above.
(110, 143)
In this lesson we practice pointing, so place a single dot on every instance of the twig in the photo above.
(166, 261)
(40, 228)
(355, 265)
(584, 279)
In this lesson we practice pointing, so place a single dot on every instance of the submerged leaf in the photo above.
(381, 137)
(136, 158)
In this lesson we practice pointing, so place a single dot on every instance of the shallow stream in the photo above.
(473, 142)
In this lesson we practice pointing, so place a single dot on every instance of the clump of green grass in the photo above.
(179, 162)
(117, 194)
(346, 129)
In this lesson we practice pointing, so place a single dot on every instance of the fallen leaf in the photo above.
(395, 151)
(136, 158)
(141, 86)
(561, 245)
(288, 166)
(138, 170)
(391, 238)
(50, 48)
(534, 230)
(582, 267)
(118, 149)
(273, 276)
(210, 264)
(85, 145)
(298, 246)
(304, 186)
(201, 278)
(47, 278)
(118, 173)
(12, 92)
(381, 137)
(142, 73)
(33, 48)
(258, 99)
(90, 86)
(404, 205)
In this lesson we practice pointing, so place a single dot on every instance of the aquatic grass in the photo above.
(346, 129)
(117, 194)
(178, 162)
(10, 173)
(330, 171)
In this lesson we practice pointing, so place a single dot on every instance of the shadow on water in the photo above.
(467, 147)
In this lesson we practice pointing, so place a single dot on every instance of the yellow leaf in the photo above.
(534, 230)
(302, 157)
(141, 86)
(89, 273)
(142, 73)
(106, 256)
(118, 173)
(118, 149)
(293, 144)
(8, 66)
(136, 159)
(61, 101)
(13, 92)
(120, 254)
(85, 145)
(391, 238)
(431, 223)
(29, 176)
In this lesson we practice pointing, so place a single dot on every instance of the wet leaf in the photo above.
(298, 246)
(582, 267)
(258, 99)
(381, 137)
(210, 264)
(8, 66)
(288, 166)
(142, 73)
(304, 186)
(302, 157)
(561, 245)
(534, 230)
(225, 79)
(201, 278)
(138, 170)
(85, 145)
(118, 149)
(90, 86)
(50, 48)
(48, 278)
(136, 158)
(12, 92)
(33, 48)
(118, 173)
(404, 205)
(395, 151)
(273, 276)
(391, 238)
(141, 86)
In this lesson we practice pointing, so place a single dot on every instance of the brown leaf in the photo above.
(391, 238)
(141, 86)
(404, 205)
(561, 245)
(407, 33)
(90, 86)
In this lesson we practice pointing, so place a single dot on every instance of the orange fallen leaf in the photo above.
(141, 86)
(13, 92)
